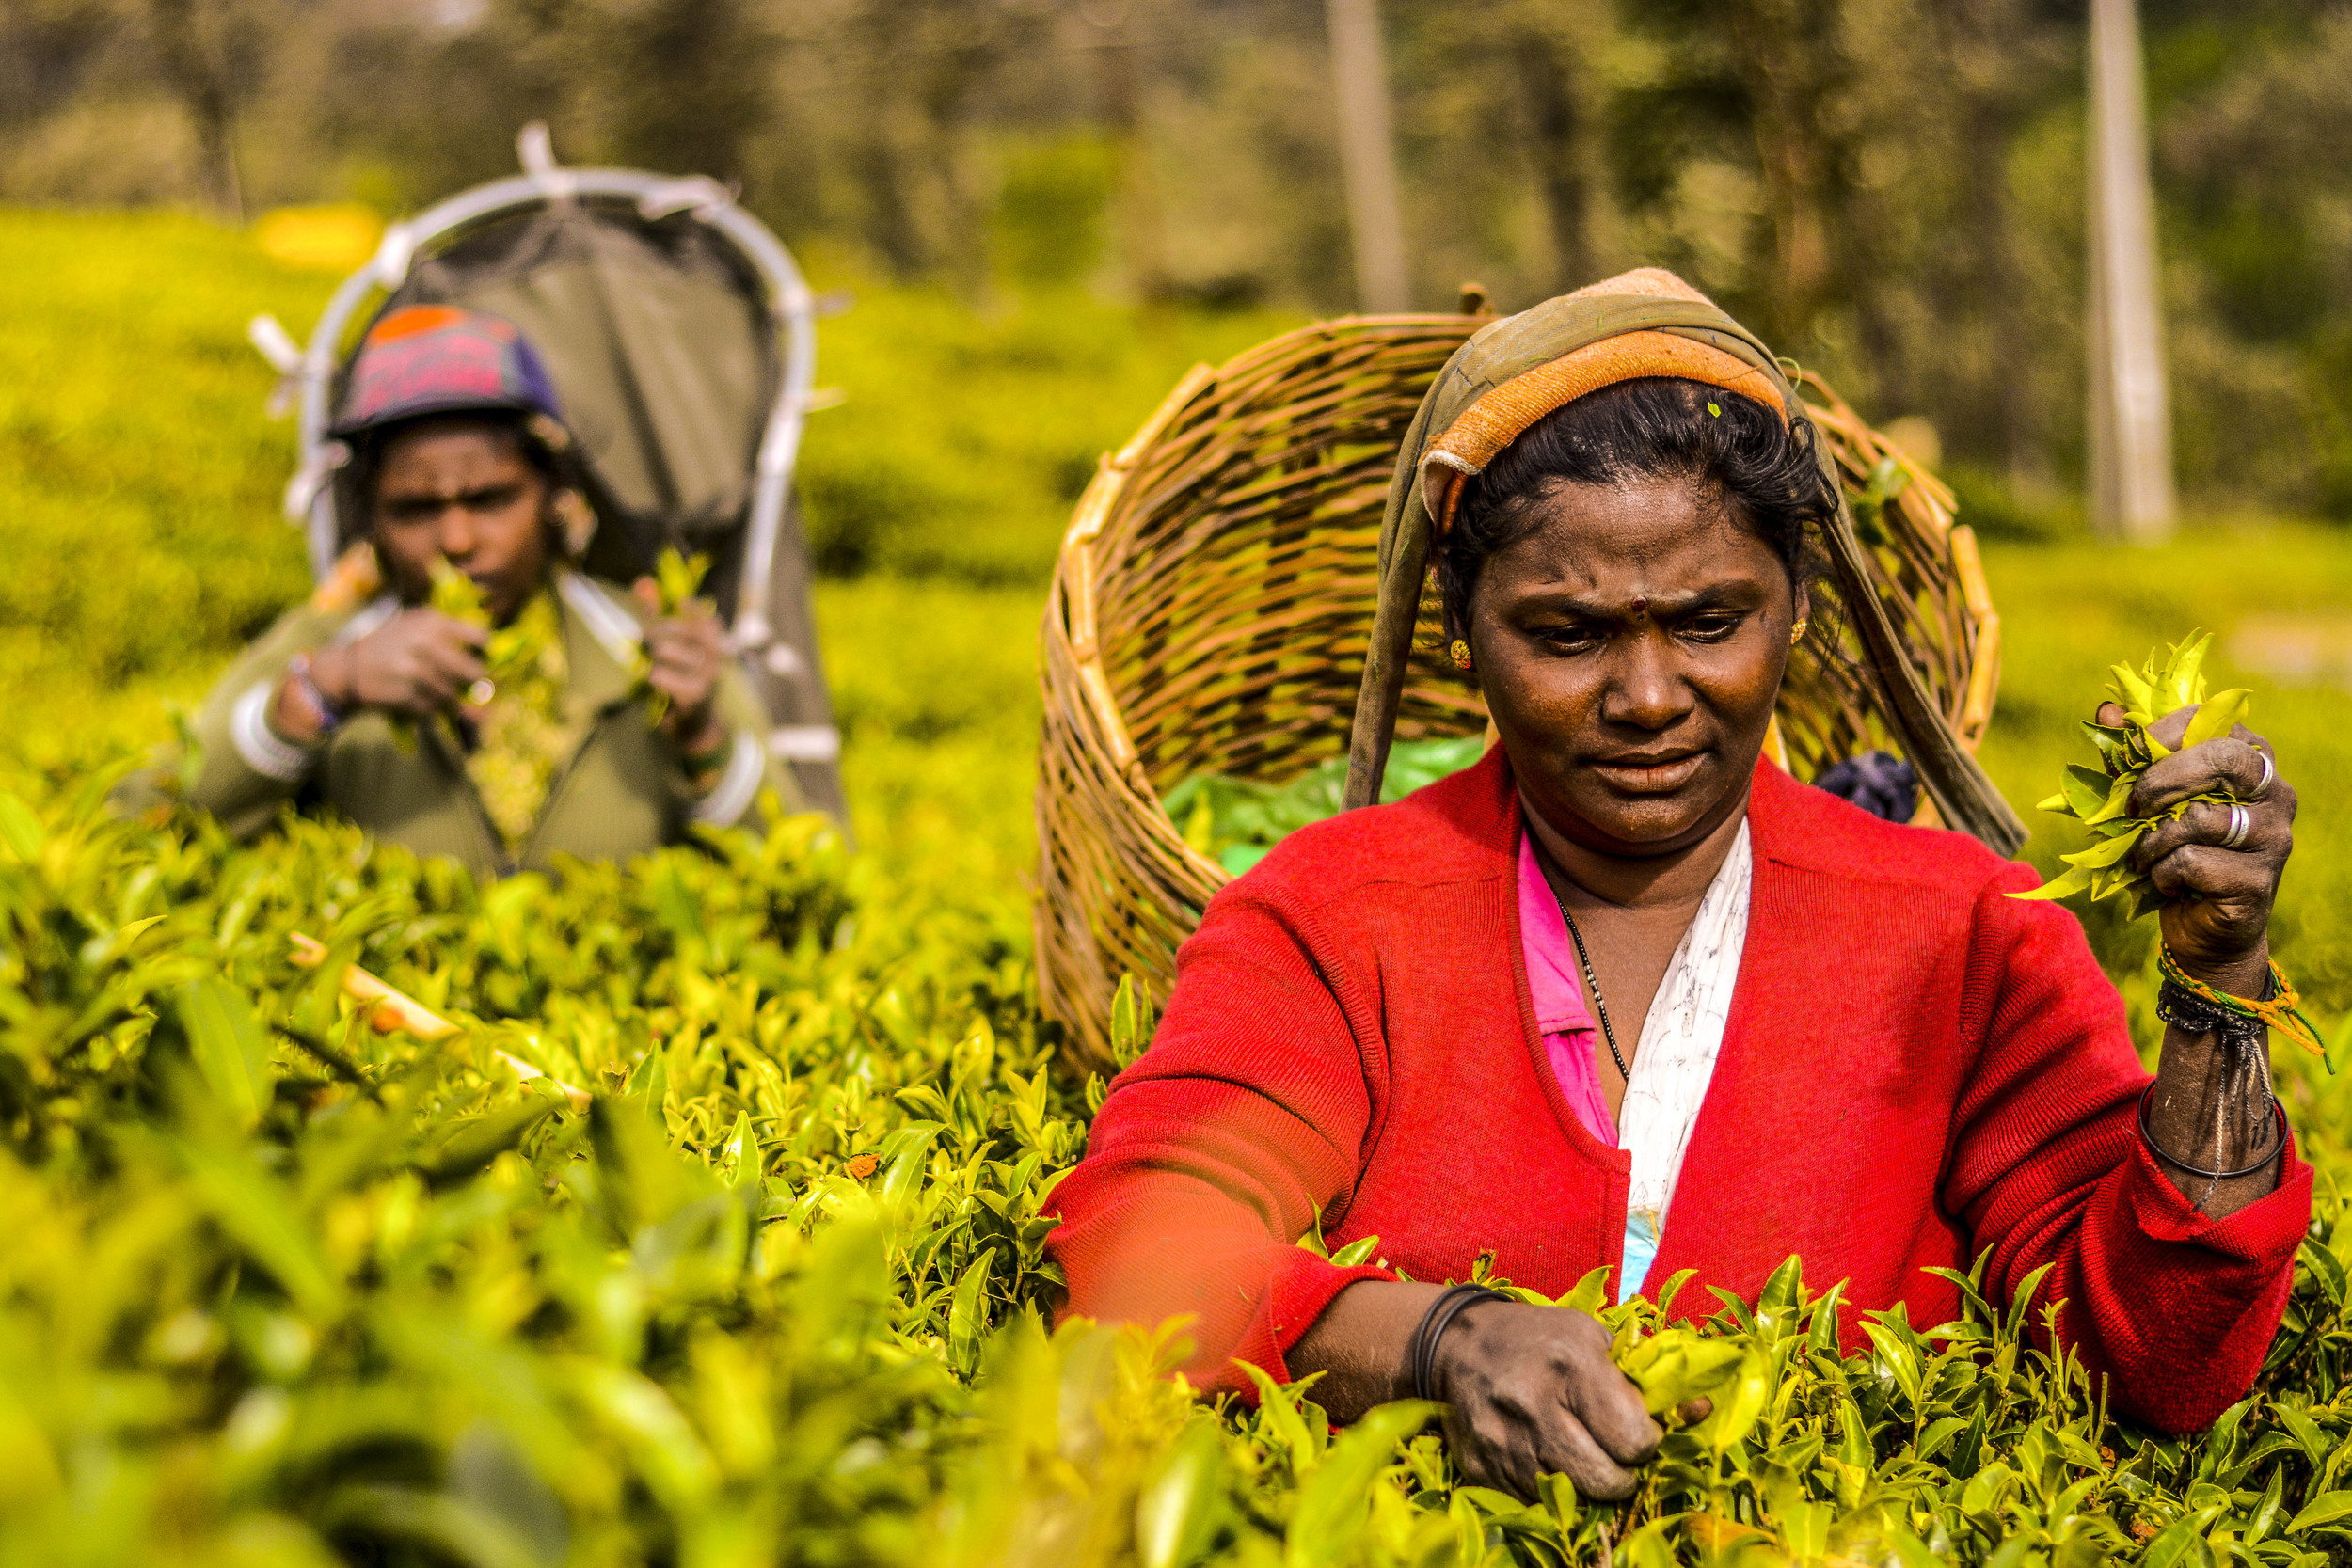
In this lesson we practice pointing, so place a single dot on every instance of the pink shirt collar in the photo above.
(1552, 985)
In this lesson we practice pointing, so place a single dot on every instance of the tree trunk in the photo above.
(2131, 434)
(1791, 49)
(1142, 239)
(203, 89)
(1368, 157)
(1560, 133)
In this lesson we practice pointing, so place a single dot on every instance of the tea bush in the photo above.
(713, 1235)
(714, 1238)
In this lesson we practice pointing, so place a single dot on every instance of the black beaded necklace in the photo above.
(1592, 981)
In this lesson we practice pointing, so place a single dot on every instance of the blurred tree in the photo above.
(2251, 120)
(1890, 189)
(1794, 56)
(51, 54)
(1114, 36)
(202, 85)
(1557, 87)
(1989, 50)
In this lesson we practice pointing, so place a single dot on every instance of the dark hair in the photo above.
(368, 447)
(354, 482)
(1657, 427)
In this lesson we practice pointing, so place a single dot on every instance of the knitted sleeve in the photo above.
(1216, 1150)
(2046, 1168)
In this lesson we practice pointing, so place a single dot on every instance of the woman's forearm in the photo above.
(1359, 1345)
(2208, 1109)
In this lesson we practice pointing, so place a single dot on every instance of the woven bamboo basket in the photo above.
(1214, 600)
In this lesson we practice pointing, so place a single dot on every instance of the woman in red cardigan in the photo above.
(1625, 994)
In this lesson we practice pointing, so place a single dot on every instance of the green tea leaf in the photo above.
(228, 1047)
(1330, 1510)
(2216, 715)
(2105, 852)
(19, 830)
(967, 1316)
(2328, 1508)
(1131, 1022)
(1676, 1366)
(2084, 790)
(475, 1143)
(743, 1153)
(2067, 883)
(2183, 680)
(457, 596)
(2119, 796)
(678, 577)
(1278, 1409)
(2130, 691)
(1181, 1507)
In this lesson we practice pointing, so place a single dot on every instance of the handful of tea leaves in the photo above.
(513, 651)
(1674, 1366)
(520, 735)
(677, 577)
(459, 597)
(2099, 798)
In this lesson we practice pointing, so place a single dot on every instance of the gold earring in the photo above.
(1459, 652)
(1796, 633)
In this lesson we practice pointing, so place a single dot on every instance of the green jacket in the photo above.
(622, 792)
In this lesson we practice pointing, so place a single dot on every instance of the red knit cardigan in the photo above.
(1916, 1069)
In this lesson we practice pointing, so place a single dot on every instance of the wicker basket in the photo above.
(1213, 601)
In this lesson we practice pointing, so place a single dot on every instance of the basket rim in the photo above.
(1071, 618)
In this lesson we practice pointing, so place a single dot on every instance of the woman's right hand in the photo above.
(1533, 1389)
(417, 663)
(414, 663)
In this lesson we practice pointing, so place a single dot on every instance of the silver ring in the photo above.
(2270, 772)
(2241, 823)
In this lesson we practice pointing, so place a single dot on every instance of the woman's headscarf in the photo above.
(1645, 323)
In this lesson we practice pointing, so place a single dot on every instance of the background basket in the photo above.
(1213, 601)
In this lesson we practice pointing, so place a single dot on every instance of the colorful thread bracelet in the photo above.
(2281, 1010)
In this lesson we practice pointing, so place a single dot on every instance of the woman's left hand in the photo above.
(2216, 915)
(687, 651)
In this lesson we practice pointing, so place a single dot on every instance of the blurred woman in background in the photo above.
(612, 727)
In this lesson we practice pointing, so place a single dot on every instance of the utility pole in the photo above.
(1368, 156)
(2131, 429)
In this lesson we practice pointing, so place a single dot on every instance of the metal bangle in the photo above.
(1422, 1353)
(2269, 1154)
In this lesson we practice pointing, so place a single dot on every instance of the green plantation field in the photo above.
(713, 1237)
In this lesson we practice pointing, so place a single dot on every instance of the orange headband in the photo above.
(1507, 412)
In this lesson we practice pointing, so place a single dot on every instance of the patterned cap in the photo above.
(441, 359)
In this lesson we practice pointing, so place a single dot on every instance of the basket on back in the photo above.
(1213, 601)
